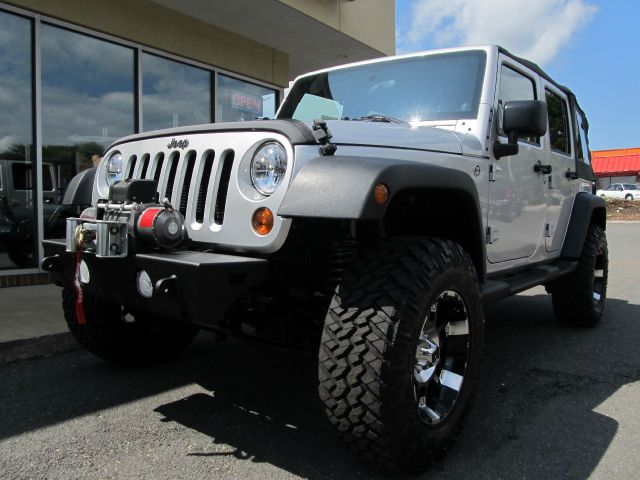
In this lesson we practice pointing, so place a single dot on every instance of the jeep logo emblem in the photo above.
(178, 144)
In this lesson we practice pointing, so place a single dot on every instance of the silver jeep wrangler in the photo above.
(371, 221)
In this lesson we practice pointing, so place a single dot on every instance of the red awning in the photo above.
(612, 163)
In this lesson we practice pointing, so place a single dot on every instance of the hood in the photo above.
(401, 135)
(377, 134)
(296, 131)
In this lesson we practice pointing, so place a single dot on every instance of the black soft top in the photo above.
(584, 171)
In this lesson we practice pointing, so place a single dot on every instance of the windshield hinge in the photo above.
(323, 136)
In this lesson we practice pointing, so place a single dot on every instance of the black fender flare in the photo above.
(80, 188)
(342, 187)
(587, 209)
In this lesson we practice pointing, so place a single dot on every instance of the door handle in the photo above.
(540, 168)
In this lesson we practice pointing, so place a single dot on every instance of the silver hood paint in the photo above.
(402, 136)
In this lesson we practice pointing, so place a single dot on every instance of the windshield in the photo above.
(434, 87)
(630, 187)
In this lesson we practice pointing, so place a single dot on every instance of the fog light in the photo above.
(262, 221)
(84, 274)
(145, 286)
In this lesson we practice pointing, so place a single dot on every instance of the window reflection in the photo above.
(17, 208)
(174, 94)
(87, 103)
(239, 101)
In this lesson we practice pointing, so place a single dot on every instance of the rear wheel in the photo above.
(400, 352)
(579, 298)
(123, 336)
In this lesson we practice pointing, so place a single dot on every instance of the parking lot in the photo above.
(554, 402)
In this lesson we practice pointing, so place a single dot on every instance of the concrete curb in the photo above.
(37, 347)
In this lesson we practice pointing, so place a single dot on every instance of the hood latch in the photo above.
(323, 136)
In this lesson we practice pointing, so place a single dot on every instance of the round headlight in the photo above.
(114, 168)
(268, 166)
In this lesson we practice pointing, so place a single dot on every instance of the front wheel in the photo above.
(579, 298)
(628, 197)
(122, 336)
(400, 352)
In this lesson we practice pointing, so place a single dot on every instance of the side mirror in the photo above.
(522, 118)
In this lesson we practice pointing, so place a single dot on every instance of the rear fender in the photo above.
(587, 209)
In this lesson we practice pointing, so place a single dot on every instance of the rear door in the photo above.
(561, 158)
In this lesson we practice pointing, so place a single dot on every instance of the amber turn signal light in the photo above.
(381, 194)
(262, 221)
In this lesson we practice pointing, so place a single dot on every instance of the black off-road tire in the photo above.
(367, 355)
(628, 197)
(579, 298)
(125, 338)
(20, 255)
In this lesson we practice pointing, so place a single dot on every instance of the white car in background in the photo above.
(626, 191)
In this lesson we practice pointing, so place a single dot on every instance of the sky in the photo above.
(592, 46)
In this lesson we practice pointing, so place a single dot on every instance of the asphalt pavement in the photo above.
(554, 402)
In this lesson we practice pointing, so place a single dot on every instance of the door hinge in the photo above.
(492, 234)
(492, 173)
(550, 181)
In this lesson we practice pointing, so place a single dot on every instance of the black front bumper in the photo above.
(194, 286)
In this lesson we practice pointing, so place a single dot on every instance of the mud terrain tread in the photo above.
(359, 363)
(572, 296)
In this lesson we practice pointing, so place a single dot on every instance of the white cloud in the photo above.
(7, 142)
(535, 29)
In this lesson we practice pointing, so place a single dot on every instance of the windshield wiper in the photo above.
(379, 117)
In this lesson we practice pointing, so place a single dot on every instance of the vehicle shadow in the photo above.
(534, 413)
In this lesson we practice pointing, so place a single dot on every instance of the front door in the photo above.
(517, 194)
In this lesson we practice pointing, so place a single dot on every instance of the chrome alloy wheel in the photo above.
(441, 357)
(599, 279)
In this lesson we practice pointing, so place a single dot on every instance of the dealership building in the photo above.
(75, 75)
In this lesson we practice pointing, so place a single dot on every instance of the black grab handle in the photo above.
(540, 168)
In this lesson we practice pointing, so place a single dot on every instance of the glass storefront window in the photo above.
(174, 94)
(87, 103)
(17, 207)
(88, 97)
(239, 101)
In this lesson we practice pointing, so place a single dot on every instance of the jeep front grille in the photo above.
(221, 197)
(204, 185)
(206, 177)
(178, 182)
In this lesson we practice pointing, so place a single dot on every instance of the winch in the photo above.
(132, 208)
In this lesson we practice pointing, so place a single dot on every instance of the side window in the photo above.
(583, 144)
(514, 86)
(619, 188)
(47, 178)
(558, 123)
(21, 173)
